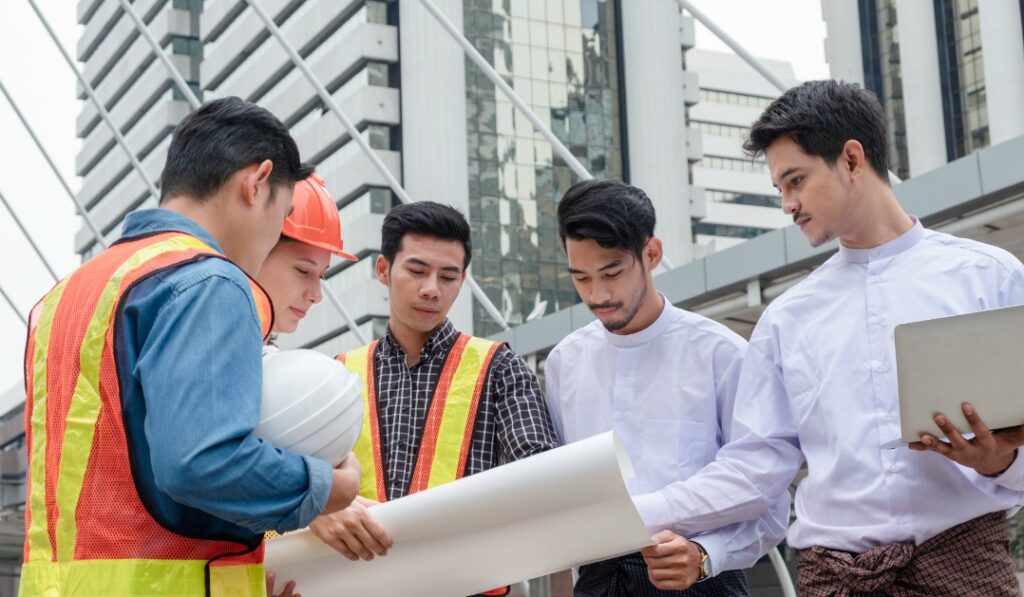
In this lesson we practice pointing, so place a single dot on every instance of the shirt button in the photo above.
(887, 418)
(874, 320)
(875, 253)
(895, 468)
(873, 279)
(879, 366)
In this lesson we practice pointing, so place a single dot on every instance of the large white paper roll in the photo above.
(533, 517)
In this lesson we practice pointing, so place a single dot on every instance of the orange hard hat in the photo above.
(314, 219)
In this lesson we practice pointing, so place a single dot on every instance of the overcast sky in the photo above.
(35, 74)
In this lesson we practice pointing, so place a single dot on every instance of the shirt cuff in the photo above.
(654, 511)
(321, 478)
(716, 547)
(1013, 477)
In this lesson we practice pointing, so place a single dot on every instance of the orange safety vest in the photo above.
(87, 531)
(448, 429)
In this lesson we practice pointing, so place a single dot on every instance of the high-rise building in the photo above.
(438, 123)
(950, 73)
(739, 200)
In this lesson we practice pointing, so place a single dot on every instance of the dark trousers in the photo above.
(627, 577)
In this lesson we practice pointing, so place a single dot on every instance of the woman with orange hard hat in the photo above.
(293, 271)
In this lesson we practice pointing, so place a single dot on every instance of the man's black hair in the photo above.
(821, 116)
(426, 218)
(222, 137)
(610, 212)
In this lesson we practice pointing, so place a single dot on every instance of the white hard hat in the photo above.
(312, 405)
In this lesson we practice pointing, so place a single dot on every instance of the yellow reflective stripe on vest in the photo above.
(139, 578)
(84, 409)
(358, 362)
(38, 535)
(456, 424)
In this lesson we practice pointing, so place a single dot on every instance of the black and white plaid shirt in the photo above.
(512, 420)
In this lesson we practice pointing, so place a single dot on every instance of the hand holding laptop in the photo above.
(988, 452)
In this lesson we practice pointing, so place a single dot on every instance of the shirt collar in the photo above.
(890, 249)
(145, 222)
(648, 333)
(439, 342)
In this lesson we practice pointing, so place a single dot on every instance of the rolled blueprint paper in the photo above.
(526, 519)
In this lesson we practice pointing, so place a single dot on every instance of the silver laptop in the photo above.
(976, 358)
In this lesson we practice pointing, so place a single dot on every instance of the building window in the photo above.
(562, 57)
(732, 164)
(754, 199)
(883, 74)
(965, 109)
(728, 230)
(722, 130)
(736, 99)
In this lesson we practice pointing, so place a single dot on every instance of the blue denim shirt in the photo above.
(190, 368)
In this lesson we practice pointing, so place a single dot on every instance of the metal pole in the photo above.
(96, 102)
(161, 55)
(13, 306)
(562, 151)
(28, 236)
(783, 572)
(344, 313)
(747, 56)
(353, 132)
(53, 166)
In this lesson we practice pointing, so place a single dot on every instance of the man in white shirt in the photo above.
(661, 377)
(819, 383)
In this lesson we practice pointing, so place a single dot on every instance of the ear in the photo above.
(853, 158)
(256, 181)
(383, 268)
(653, 253)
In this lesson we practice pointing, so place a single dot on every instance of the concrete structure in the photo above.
(950, 73)
(739, 200)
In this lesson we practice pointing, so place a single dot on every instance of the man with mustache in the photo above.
(819, 380)
(440, 404)
(664, 379)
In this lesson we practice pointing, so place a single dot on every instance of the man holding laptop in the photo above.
(819, 380)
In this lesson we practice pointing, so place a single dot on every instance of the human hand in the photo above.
(990, 453)
(288, 591)
(353, 532)
(673, 563)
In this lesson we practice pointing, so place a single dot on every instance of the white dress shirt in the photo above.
(819, 382)
(665, 390)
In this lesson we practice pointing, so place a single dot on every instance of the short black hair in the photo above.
(428, 219)
(222, 137)
(610, 212)
(821, 116)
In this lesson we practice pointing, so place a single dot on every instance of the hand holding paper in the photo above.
(526, 519)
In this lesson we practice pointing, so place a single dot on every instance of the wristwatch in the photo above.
(705, 564)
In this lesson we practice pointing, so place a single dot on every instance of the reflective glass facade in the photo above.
(883, 75)
(965, 111)
(562, 58)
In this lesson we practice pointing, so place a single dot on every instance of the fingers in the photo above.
(270, 578)
(379, 533)
(982, 434)
(289, 590)
(1013, 436)
(952, 433)
(933, 444)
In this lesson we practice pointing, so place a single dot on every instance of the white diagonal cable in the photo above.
(353, 132)
(53, 166)
(746, 56)
(150, 185)
(28, 237)
(193, 101)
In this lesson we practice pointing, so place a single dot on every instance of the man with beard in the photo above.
(664, 379)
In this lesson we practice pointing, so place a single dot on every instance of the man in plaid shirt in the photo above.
(424, 375)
